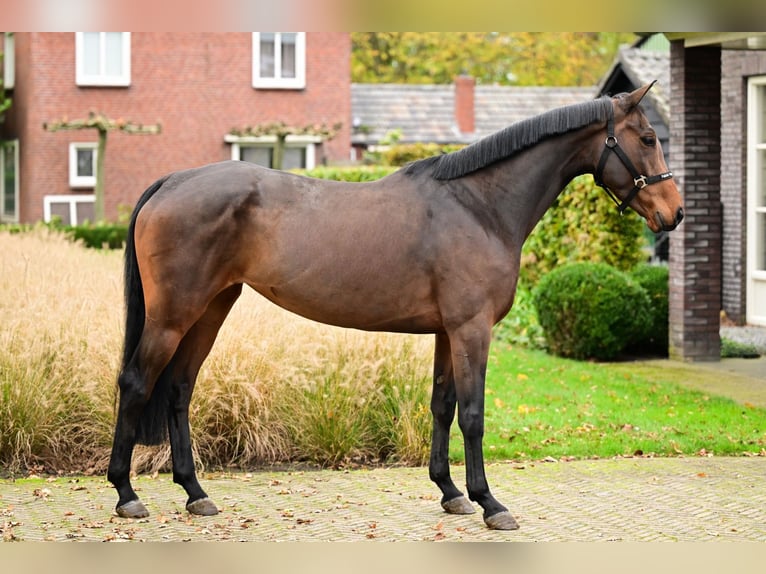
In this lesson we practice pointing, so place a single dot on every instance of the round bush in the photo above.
(589, 310)
(653, 337)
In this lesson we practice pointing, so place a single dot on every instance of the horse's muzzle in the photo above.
(670, 226)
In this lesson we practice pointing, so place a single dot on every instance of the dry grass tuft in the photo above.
(276, 387)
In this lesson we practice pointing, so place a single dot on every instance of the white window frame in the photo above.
(277, 82)
(101, 79)
(9, 61)
(14, 216)
(80, 181)
(756, 158)
(292, 141)
(72, 200)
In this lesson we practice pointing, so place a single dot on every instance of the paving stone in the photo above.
(659, 499)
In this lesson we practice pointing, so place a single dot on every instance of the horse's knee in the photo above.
(471, 422)
(443, 412)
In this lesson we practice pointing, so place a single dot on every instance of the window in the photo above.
(9, 185)
(279, 60)
(102, 58)
(756, 202)
(82, 165)
(69, 209)
(9, 61)
(300, 151)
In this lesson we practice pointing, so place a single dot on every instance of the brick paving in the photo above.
(670, 499)
(630, 499)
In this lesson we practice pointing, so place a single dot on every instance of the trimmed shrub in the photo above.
(353, 173)
(582, 225)
(402, 154)
(100, 235)
(589, 310)
(653, 336)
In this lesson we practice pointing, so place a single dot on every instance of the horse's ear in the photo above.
(635, 97)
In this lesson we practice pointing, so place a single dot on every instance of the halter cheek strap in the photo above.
(639, 181)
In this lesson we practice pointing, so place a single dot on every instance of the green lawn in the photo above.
(540, 406)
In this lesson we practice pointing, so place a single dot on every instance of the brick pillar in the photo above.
(695, 247)
(464, 104)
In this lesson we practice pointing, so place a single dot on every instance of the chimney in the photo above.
(464, 104)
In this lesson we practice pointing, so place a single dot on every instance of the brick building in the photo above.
(198, 86)
(718, 155)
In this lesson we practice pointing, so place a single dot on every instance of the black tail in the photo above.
(152, 427)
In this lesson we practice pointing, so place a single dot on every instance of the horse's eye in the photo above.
(649, 140)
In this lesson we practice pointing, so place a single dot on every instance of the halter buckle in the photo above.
(610, 142)
(640, 181)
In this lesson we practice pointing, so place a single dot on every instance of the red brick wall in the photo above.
(197, 85)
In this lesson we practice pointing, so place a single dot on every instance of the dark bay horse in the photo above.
(433, 248)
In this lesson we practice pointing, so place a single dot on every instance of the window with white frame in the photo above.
(102, 58)
(69, 209)
(299, 152)
(9, 63)
(756, 201)
(82, 164)
(279, 60)
(9, 184)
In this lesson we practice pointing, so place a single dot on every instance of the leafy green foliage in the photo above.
(352, 174)
(402, 154)
(589, 310)
(653, 336)
(731, 349)
(520, 326)
(582, 225)
(518, 58)
(102, 235)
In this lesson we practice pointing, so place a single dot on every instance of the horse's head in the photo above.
(632, 167)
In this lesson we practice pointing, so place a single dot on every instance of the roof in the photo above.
(426, 113)
(642, 66)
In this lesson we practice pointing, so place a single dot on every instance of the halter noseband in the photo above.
(639, 181)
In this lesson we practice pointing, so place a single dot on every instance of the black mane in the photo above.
(514, 138)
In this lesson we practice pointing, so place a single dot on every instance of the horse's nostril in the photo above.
(679, 215)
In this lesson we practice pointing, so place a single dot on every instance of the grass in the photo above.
(278, 388)
(540, 406)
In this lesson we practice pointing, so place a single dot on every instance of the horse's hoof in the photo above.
(132, 509)
(458, 505)
(501, 521)
(203, 507)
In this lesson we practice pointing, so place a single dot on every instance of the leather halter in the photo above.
(639, 181)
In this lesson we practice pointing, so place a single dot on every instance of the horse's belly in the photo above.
(370, 310)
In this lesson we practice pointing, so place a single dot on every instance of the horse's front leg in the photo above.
(443, 402)
(470, 349)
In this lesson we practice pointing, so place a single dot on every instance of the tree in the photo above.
(281, 130)
(506, 58)
(103, 125)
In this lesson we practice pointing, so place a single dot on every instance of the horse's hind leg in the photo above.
(443, 409)
(136, 383)
(185, 366)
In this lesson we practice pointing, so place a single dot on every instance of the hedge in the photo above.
(590, 310)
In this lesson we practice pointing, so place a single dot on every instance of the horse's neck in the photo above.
(527, 184)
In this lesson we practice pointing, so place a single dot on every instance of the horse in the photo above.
(433, 248)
